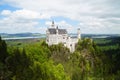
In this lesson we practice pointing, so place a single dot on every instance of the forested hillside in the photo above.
(38, 61)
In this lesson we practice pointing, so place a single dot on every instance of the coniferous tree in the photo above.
(3, 51)
(4, 72)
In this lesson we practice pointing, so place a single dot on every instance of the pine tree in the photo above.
(3, 51)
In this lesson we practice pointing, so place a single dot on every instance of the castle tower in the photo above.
(57, 30)
(78, 32)
(53, 24)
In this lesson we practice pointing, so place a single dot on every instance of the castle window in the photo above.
(64, 42)
(47, 40)
(70, 44)
(67, 37)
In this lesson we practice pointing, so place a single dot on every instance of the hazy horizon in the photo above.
(68, 33)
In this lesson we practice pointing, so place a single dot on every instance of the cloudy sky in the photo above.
(91, 16)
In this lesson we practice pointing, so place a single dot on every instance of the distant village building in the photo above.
(54, 36)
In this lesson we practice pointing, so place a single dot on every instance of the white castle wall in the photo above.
(62, 38)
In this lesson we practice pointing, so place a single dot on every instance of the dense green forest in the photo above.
(92, 60)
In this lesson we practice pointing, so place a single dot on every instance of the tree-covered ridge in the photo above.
(31, 63)
(111, 49)
(38, 61)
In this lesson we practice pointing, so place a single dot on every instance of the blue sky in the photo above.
(91, 16)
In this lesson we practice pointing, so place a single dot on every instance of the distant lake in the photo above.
(91, 36)
(100, 36)
(13, 38)
(43, 36)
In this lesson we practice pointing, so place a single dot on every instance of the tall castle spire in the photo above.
(53, 24)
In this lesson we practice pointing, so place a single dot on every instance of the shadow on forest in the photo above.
(113, 41)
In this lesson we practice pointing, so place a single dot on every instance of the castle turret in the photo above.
(57, 30)
(53, 25)
(78, 32)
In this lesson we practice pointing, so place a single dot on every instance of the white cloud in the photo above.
(94, 15)
(20, 21)
(6, 12)
(64, 24)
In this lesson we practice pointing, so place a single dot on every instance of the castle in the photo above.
(54, 36)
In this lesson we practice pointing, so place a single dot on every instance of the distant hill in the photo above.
(96, 35)
(38, 35)
(6, 35)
